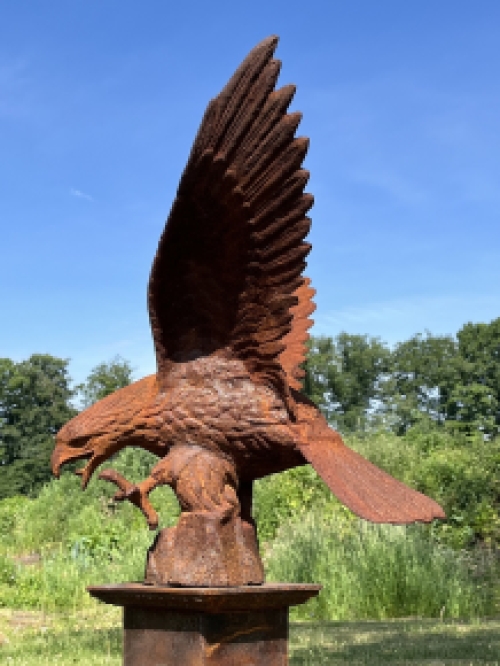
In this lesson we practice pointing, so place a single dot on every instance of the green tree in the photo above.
(424, 371)
(479, 402)
(34, 404)
(473, 407)
(440, 380)
(343, 377)
(320, 357)
(104, 379)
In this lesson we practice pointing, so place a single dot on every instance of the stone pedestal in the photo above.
(229, 626)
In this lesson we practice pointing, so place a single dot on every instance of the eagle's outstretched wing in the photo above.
(232, 252)
(294, 354)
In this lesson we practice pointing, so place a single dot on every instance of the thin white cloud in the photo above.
(392, 184)
(411, 141)
(398, 319)
(78, 193)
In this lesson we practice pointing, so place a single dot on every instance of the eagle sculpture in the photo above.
(230, 312)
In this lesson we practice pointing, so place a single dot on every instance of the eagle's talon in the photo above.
(85, 474)
(140, 498)
(133, 493)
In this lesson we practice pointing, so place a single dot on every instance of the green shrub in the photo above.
(461, 473)
(83, 537)
(377, 571)
(64, 515)
(11, 511)
(60, 581)
(465, 481)
(280, 496)
(8, 571)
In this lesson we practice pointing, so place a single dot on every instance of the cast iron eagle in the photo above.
(229, 310)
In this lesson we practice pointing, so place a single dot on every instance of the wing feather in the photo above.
(226, 278)
(294, 354)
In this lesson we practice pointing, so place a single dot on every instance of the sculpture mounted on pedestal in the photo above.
(229, 310)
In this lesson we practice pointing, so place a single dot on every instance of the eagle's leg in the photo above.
(248, 524)
(245, 494)
(214, 543)
(202, 481)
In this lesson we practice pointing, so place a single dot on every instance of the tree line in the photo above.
(36, 399)
(359, 383)
(453, 382)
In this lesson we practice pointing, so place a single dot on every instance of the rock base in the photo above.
(202, 551)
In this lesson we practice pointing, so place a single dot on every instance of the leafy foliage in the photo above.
(342, 377)
(376, 571)
(34, 404)
(278, 498)
(479, 403)
(104, 379)
(82, 538)
(459, 472)
(423, 372)
(62, 515)
(473, 408)
(359, 384)
(305, 533)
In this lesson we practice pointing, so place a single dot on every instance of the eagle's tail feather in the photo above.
(365, 489)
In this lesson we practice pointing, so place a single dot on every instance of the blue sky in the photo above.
(100, 102)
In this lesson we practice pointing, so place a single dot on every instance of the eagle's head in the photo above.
(127, 417)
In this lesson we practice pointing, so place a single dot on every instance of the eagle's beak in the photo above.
(63, 454)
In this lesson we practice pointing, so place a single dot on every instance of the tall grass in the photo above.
(63, 515)
(377, 571)
(59, 582)
(81, 538)
(368, 571)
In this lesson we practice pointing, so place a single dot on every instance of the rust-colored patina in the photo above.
(242, 626)
(230, 312)
(206, 599)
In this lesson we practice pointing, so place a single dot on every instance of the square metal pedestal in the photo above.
(242, 626)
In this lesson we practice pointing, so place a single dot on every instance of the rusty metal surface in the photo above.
(238, 626)
(248, 638)
(224, 554)
(208, 599)
(230, 309)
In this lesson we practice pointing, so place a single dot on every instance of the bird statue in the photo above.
(230, 312)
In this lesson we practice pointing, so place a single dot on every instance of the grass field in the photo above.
(56, 544)
(93, 638)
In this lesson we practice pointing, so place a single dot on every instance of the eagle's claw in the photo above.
(134, 493)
